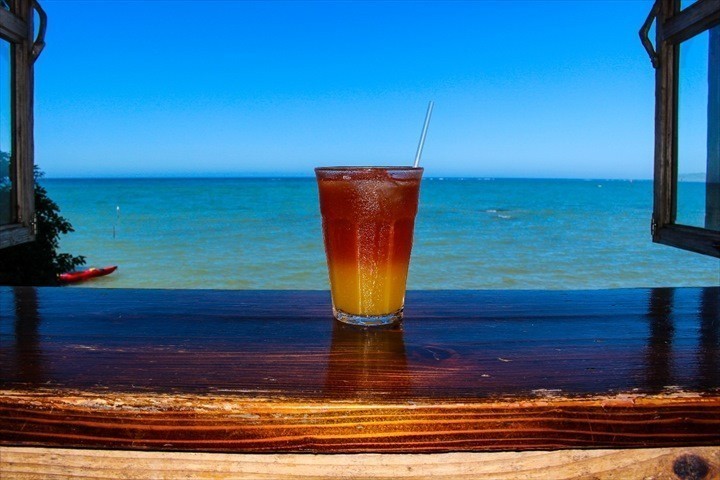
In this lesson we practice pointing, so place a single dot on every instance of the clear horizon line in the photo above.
(306, 176)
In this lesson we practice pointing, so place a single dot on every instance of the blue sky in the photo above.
(166, 88)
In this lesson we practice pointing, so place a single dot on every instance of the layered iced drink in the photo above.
(368, 217)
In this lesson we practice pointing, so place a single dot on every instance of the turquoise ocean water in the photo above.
(263, 233)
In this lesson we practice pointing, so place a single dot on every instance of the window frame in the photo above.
(673, 26)
(17, 27)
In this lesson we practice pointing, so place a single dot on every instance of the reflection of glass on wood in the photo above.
(712, 181)
(367, 363)
(6, 216)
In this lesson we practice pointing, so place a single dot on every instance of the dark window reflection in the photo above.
(662, 330)
(660, 357)
(29, 366)
(709, 345)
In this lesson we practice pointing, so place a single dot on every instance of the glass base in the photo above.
(393, 318)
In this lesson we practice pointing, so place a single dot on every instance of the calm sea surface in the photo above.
(470, 234)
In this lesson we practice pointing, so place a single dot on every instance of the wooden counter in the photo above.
(270, 371)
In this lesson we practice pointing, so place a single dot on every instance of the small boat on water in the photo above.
(82, 275)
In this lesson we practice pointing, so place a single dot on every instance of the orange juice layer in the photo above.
(377, 289)
(368, 264)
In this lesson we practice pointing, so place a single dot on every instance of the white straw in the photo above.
(423, 134)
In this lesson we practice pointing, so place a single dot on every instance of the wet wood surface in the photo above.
(270, 371)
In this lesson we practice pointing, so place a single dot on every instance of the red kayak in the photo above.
(82, 275)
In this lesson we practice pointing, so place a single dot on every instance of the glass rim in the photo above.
(347, 168)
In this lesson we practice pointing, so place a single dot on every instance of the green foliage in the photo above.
(5, 188)
(38, 262)
(4, 171)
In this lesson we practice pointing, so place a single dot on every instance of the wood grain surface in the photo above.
(239, 424)
(270, 371)
(698, 463)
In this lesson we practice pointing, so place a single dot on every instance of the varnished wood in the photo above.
(22, 463)
(249, 423)
(467, 343)
(254, 371)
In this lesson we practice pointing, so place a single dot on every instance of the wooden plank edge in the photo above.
(252, 425)
(27, 463)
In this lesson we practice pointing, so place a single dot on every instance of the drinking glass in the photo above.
(368, 217)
